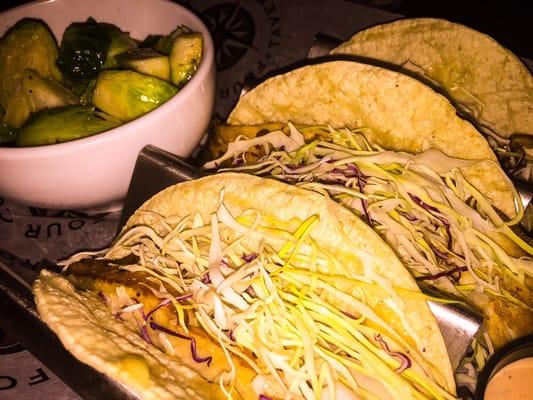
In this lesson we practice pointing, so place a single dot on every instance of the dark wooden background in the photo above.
(510, 22)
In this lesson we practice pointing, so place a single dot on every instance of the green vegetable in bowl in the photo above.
(17, 107)
(146, 61)
(62, 124)
(34, 93)
(86, 97)
(127, 94)
(97, 67)
(45, 92)
(88, 47)
(83, 51)
(8, 134)
(29, 44)
(120, 42)
(185, 57)
(163, 43)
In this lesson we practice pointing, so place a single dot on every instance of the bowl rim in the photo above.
(198, 78)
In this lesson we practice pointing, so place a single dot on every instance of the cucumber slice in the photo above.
(145, 61)
(185, 57)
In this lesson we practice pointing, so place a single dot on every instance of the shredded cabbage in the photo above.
(294, 313)
(443, 229)
(419, 203)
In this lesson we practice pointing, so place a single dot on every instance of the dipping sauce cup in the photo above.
(508, 374)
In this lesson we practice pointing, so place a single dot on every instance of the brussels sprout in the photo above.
(46, 93)
(151, 42)
(17, 107)
(87, 47)
(146, 61)
(87, 95)
(62, 125)
(83, 50)
(163, 44)
(35, 93)
(29, 44)
(8, 134)
(185, 57)
(120, 42)
(127, 94)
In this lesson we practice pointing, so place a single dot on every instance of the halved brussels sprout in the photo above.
(29, 44)
(127, 94)
(83, 51)
(145, 61)
(163, 43)
(35, 93)
(86, 97)
(62, 125)
(8, 134)
(89, 46)
(45, 93)
(17, 107)
(185, 57)
(120, 42)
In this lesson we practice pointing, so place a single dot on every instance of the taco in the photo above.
(244, 287)
(398, 112)
(386, 146)
(485, 80)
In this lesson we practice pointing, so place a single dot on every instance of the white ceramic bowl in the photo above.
(95, 171)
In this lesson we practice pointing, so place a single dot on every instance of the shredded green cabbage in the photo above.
(439, 224)
(444, 230)
(304, 321)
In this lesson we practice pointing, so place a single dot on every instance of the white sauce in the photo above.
(512, 382)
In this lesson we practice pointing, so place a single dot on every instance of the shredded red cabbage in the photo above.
(443, 274)
(184, 297)
(165, 303)
(349, 315)
(194, 353)
(145, 335)
(357, 173)
(263, 397)
(443, 256)
(238, 161)
(230, 333)
(251, 292)
(142, 327)
(432, 210)
(103, 297)
(295, 166)
(362, 180)
(248, 258)
(339, 171)
(405, 362)
(141, 310)
(340, 180)
(206, 280)
(410, 217)
(153, 310)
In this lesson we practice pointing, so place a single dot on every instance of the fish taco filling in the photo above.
(443, 229)
(264, 300)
